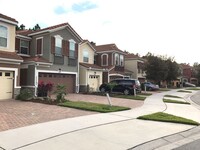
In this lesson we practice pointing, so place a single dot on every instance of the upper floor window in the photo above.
(85, 56)
(104, 60)
(24, 47)
(71, 48)
(121, 60)
(116, 59)
(3, 36)
(39, 46)
(58, 46)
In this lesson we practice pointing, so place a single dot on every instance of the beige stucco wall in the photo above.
(132, 66)
(11, 37)
(83, 47)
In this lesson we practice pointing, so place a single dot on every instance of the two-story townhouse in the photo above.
(50, 55)
(187, 74)
(111, 59)
(90, 74)
(135, 64)
(9, 60)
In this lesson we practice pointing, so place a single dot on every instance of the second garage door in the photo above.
(66, 79)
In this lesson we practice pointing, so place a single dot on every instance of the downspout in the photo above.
(77, 76)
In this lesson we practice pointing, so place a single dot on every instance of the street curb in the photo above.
(170, 141)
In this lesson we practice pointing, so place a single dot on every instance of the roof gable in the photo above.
(8, 19)
(107, 48)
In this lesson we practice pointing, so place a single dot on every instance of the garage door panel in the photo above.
(66, 79)
(6, 85)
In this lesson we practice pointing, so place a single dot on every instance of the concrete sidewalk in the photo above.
(119, 130)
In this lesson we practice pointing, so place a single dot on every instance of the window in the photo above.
(116, 59)
(121, 60)
(3, 36)
(85, 56)
(72, 49)
(39, 43)
(104, 60)
(7, 74)
(24, 47)
(58, 46)
(0, 73)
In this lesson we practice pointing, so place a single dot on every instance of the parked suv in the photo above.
(125, 86)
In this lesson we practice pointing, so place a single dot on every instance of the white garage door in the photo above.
(93, 82)
(6, 85)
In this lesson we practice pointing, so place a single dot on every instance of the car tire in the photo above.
(126, 92)
(103, 90)
(150, 89)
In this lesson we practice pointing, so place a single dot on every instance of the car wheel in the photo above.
(126, 92)
(103, 90)
(150, 89)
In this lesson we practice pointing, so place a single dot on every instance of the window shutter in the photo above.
(76, 50)
(67, 48)
(52, 45)
(39, 46)
(17, 45)
(64, 47)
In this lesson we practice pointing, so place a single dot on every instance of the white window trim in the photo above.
(41, 46)
(8, 36)
(61, 38)
(72, 41)
(102, 60)
(118, 59)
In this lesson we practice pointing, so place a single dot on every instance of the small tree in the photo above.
(60, 93)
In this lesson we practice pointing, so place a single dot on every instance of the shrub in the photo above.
(60, 93)
(25, 94)
(44, 89)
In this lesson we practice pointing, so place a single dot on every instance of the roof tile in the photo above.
(10, 55)
(8, 18)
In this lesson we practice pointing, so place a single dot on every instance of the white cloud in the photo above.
(166, 27)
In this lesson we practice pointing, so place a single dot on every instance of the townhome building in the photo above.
(90, 74)
(9, 60)
(111, 59)
(135, 65)
(50, 55)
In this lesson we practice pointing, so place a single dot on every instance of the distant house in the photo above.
(135, 64)
(90, 74)
(187, 74)
(9, 60)
(50, 55)
(111, 59)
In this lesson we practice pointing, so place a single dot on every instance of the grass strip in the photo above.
(93, 106)
(173, 96)
(132, 97)
(163, 89)
(193, 88)
(174, 101)
(145, 94)
(164, 117)
(184, 91)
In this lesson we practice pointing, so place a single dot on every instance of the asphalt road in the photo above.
(195, 145)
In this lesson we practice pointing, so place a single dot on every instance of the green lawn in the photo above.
(144, 94)
(184, 91)
(174, 101)
(172, 96)
(93, 106)
(193, 88)
(164, 117)
(137, 97)
(164, 89)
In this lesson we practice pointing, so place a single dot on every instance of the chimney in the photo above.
(92, 43)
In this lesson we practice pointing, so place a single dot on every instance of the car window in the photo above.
(126, 82)
(114, 82)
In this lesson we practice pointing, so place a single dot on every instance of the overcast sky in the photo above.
(162, 27)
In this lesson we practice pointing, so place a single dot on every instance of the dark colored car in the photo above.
(149, 86)
(125, 86)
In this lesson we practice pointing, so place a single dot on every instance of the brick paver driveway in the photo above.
(15, 114)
